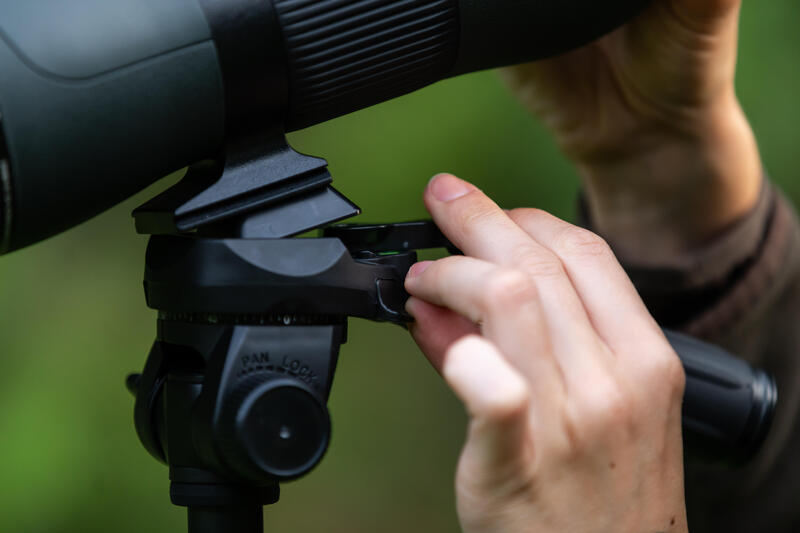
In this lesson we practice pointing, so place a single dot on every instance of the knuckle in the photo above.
(525, 216)
(610, 409)
(507, 288)
(667, 374)
(443, 270)
(607, 411)
(538, 263)
(472, 216)
(580, 242)
(676, 377)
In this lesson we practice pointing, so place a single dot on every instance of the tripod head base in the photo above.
(196, 488)
(240, 404)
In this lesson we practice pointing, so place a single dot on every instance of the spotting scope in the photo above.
(100, 98)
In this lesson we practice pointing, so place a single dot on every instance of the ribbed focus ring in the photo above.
(349, 54)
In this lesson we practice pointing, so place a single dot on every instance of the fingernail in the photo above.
(418, 268)
(446, 187)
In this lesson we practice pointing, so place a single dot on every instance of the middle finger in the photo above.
(505, 304)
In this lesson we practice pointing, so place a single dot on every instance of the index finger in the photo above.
(472, 221)
(478, 227)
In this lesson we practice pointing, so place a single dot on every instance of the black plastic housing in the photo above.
(188, 278)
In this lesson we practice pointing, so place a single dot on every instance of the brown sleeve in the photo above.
(742, 291)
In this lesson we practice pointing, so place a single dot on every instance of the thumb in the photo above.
(497, 398)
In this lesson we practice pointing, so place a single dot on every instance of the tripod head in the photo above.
(233, 395)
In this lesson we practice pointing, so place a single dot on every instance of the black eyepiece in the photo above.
(728, 406)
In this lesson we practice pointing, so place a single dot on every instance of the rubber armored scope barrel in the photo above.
(100, 98)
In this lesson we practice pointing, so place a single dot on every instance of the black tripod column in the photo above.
(242, 519)
(220, 507)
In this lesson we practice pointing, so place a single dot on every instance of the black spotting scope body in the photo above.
(99, 98)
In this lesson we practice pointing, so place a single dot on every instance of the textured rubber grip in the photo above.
(345, 55)
(728, 406)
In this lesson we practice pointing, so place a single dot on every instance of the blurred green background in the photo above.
(73, 321)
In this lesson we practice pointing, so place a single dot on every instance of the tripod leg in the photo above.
(226, 519)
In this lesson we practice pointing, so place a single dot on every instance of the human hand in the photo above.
(650, 115)
(574, 395)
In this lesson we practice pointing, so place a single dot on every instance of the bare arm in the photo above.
(650, 117)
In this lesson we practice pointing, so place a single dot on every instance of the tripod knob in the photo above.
(273, 429)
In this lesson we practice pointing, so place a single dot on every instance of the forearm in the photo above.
(679, 189)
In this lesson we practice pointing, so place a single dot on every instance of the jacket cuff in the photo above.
(706, 291)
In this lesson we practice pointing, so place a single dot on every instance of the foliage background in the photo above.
(73, 321)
